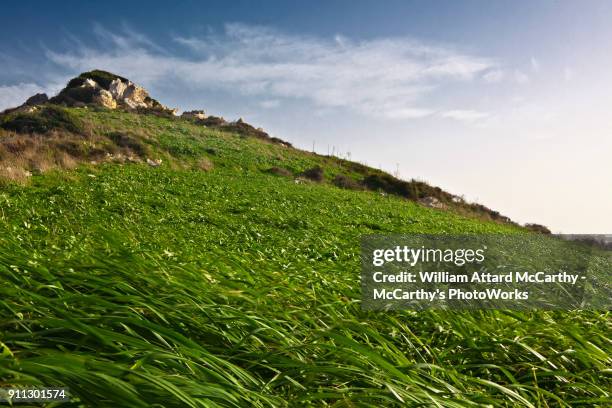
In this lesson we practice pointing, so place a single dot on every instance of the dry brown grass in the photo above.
(205, 164)
(65, 161)
(24, 154)
(14, 174)
(36, 152)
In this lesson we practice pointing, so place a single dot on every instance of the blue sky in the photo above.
(505, 102)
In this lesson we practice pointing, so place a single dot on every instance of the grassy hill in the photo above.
(218, 279)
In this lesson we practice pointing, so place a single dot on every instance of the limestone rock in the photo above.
(432, 202)
(194, 114)
(28, 109)
(22, 109)
(130, 104)
(105, 89)
(136, 94)
(90, 83)
(117, 88)
(154, 163)
(105, 98)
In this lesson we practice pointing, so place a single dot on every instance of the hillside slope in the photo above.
(227, 274)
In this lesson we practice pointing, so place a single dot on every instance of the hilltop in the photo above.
(72, 127)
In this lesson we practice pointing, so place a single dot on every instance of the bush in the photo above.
(279, 171)
(279, 141)
(103, 78)
(75, 82)
(314, 174)
(391, 185)
(129, 142)
(41, 121)
(73, 96)
(158, 111)
(72, 148)
(211, 121)
(538, 228)
(347, 182)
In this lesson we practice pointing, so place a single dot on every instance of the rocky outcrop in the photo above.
(110, 91)
(432, 202)
(131, 95)
(117, 88)
(154, 163)
(136, 95)
(105, 98)
(194, 114)
(37, 99)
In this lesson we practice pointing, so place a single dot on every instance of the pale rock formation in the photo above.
(136, 94)
(117, 88)
(90, 83)
(105, 98)
(195, 114)
(432, 202)
(154, 163)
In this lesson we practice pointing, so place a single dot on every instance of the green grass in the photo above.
(138, 286)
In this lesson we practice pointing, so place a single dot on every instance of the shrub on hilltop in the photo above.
(387, 183)
(103, 78)
(41, 120)
(538, 228)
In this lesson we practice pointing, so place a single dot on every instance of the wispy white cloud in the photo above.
(390, 77)
(494, 75)
(407, 113)
(14, 95)
(465, 115)
(270, 103)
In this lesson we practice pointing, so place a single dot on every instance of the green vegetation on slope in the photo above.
(172, 286)
(49, 136)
